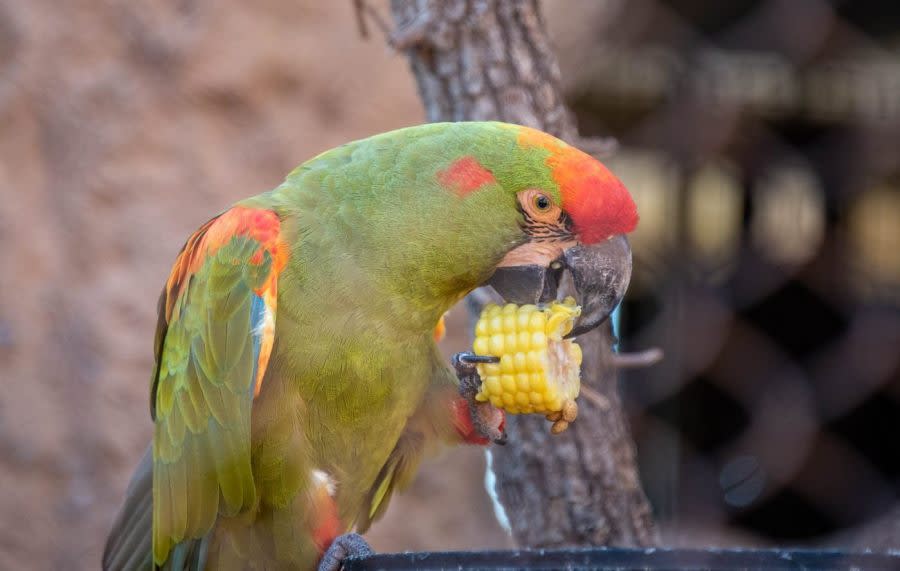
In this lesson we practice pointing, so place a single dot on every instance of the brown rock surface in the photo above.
(123, 126)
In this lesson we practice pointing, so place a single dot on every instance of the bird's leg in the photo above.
(344, 546)
(487, 420)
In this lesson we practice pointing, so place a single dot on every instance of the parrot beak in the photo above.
(601, 273)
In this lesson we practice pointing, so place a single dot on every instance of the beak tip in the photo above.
(601, 273)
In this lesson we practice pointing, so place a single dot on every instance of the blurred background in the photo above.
(761, 140)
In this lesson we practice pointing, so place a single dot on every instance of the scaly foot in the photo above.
(344, 546)
(486, 418)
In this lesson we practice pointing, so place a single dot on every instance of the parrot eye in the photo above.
(539, 206)
(541, 202)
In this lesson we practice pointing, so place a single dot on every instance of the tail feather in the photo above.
(188, 555)
(128, 547)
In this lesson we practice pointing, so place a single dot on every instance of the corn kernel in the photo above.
(537, 321)
(506, 364)
(539, 369)
(556, 325)
(534, 360)
(575, 352)
(523, 343)
(497, 344)
(523, 383)
(492, 369)
(559, 426)
(522, 319)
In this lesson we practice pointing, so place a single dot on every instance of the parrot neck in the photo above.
(405, 272)
(404, 287)
(376, 226)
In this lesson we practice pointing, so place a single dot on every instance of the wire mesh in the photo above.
(760, 140)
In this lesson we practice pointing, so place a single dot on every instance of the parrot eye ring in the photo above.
(539, 206)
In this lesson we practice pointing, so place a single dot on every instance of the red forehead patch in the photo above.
(598, 203)
(465, 175)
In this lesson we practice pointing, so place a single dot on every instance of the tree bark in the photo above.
(490, 60)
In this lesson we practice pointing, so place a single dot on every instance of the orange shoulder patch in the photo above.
(262, 225)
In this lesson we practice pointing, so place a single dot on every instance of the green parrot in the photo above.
(297, 380)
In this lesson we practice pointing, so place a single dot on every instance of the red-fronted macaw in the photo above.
(297, 380)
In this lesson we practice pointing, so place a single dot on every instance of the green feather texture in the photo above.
(378, 247)
(201, 444)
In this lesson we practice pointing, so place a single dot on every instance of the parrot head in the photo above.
(434, 211)
(539, 208)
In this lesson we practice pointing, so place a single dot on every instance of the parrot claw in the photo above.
(343, 547)
(467, 373)
(465, 361)
(484, 414)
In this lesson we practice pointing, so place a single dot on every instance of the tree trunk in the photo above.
(490, 60)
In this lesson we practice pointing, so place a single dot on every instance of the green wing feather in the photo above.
(395, 476)
(209, 351)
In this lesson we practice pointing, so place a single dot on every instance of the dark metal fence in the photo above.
(762, 143)
(621, 559)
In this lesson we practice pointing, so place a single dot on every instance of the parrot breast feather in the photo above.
(214, 338)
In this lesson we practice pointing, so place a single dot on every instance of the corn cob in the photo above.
(538, 370)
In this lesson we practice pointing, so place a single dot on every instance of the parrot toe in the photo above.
(487, 420)
(342, 548)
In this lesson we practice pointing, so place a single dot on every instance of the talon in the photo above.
(343, 547)
(473, 358)
(464, 362)
(502, 439)
(460, 365)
